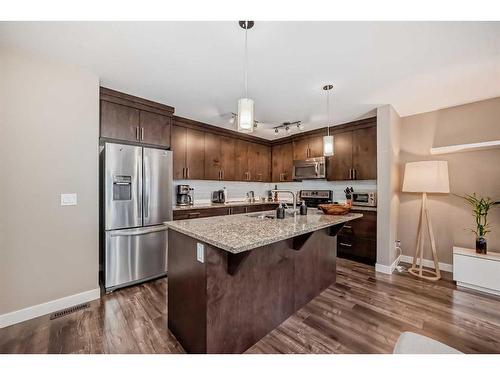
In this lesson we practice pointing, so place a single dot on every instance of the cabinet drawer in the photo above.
(262, 207)
(357, 248)
(364, 227)
(196, 214)
(238, 210)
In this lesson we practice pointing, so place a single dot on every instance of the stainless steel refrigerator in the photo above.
(137, 200)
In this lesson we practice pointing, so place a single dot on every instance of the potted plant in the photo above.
(480, 207)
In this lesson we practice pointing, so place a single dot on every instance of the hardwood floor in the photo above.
(364, 312)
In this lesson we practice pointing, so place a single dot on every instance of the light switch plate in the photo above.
(200, 252)
(68, 199)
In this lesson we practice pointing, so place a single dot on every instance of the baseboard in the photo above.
(427, 263)
(478, 288)
(387, 269)
(48, 307)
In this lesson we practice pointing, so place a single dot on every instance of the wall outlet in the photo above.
(200, 252)
(68, 199)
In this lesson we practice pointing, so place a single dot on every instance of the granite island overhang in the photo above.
(232, 279)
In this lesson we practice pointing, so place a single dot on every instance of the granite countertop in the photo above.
(238, 233)
(201, 206)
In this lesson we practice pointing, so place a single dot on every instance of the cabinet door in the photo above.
(265, 163)
(195, 154)
(364, 153)
(179, 143)
(287, 160)
(213, 162)
(301, 149)
(119, 122)
(315, 147)
(227, 146)
(340, 164)
(241, 172)
(282, 156)
(155, 129)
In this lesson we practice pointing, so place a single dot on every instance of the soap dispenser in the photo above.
(303, 208)
(280, 212)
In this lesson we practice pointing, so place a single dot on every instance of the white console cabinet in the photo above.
(477, 271)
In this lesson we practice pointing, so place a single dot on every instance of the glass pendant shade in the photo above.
(245, 115)
(328, 148)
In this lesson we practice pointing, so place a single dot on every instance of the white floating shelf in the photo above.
(465, 147)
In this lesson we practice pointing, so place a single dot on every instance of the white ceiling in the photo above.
(197, 67)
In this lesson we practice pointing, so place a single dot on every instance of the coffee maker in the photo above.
(184, 195)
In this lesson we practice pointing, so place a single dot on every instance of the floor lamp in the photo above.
(425, 177)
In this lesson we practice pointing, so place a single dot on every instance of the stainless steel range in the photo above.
(315, 197)
(137, 200)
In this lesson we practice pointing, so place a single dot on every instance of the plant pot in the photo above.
(481, 245)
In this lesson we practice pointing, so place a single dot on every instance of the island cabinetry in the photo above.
(282, 160)
(194, 213)
(212, 310)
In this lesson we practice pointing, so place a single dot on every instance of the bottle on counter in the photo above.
(280, 211)
(224, 194)
(303, 208)
(275, 194)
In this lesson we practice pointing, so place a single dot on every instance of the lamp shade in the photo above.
(328, 145)
(426, 177)
(245, 115)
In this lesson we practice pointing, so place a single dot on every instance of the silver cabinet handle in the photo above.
(222, 174)
(187, 172)
(183, 172)
(142, 134)
(347, 227)
(193, 214)
(137, 132)
(354, 174)
(345, 244)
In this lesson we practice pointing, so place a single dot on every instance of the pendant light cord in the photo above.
(246, 59)
(328, 112)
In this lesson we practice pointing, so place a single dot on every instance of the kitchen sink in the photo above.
(262, 216)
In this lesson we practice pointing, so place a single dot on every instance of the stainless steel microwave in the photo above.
(309, 169)
(365, 198)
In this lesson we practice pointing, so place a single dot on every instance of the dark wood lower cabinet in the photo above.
(357, 240)
(184, 214)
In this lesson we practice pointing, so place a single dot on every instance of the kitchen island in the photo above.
(232, 279)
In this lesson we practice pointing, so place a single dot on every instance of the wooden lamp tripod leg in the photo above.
(433, 245)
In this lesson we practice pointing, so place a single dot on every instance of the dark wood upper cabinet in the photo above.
(188, 146)
(241, 170)
(132, 119)
(364, 153)
(179, 145)
(227, 155)
(119, 122)
(315, 147)
(355, 155)
(301, 149)
(339, 165)
(305, 148)
(282, 159)
(213, 160)
(195, 154)
(155, 129)
(259, 162)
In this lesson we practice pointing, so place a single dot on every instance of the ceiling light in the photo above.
(276, 132)
(300, 126)
(245, 105)
(328, 141)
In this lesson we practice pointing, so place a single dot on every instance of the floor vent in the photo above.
(69, 310)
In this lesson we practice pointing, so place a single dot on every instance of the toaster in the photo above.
(218, 196)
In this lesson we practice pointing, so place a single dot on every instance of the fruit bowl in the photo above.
(335, 209)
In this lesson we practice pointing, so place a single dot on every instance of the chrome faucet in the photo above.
(251, 196)
(289, 192)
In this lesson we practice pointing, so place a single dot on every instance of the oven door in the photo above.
(309, 169)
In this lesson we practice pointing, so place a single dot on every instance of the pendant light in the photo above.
(245, 105)
(328, 146)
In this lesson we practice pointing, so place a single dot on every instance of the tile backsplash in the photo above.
(237, 190)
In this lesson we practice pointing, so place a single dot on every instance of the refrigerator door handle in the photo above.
(137, 231)
(147, 186)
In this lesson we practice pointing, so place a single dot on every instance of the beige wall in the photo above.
(49, 117)
(388, 140)
(477, 171)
